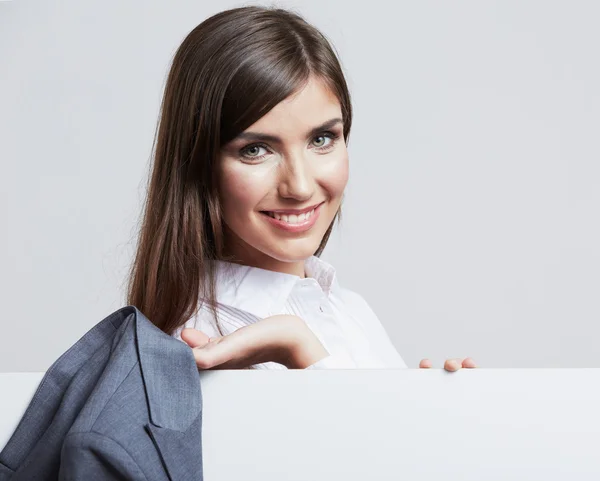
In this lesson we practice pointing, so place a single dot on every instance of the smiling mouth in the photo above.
(292, 218)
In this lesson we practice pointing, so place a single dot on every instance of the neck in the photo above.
(295, 268)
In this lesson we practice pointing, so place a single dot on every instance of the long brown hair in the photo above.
(229, 71)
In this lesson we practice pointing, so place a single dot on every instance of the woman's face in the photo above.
(282, 180)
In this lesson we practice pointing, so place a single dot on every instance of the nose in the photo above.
(297, 179)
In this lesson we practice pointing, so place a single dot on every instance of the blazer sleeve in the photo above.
(90, 456)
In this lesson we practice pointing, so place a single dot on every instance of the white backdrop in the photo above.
(474, 193)
(388, 425)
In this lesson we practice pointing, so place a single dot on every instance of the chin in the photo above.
(293, 254)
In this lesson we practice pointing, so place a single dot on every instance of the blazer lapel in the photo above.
(172, 384)
(181, 452)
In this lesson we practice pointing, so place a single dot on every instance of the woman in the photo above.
(249, 173)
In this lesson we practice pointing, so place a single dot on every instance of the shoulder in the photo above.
(360, 310)
(357, 307)
(352, 299)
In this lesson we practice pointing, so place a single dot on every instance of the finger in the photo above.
(194, 337)
(228, 352)
(425, 364)
(212, 354)
(453, 364)
(468, 362)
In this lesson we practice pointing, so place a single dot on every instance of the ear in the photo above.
(194, 337)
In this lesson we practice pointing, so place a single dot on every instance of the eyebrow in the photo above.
(254, 136)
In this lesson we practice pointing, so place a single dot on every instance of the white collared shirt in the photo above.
(340, 318)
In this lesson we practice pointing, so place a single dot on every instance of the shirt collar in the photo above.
(322, 272)
(263, 292)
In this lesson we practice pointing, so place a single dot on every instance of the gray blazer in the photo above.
(122, 403)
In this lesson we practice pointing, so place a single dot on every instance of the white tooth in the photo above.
(292, 218)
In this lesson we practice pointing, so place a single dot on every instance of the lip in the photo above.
(294, 211)
(300, 227)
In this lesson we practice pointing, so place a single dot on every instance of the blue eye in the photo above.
(323, 148)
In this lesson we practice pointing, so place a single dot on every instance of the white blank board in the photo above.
(474, 424)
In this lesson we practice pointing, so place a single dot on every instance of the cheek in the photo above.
(240, 190)
(334, 174)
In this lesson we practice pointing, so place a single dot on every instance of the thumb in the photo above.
(194, 337)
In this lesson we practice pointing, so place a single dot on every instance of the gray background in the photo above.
(471, 215)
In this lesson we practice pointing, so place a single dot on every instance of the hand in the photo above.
(284, 339)
(451, 364)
